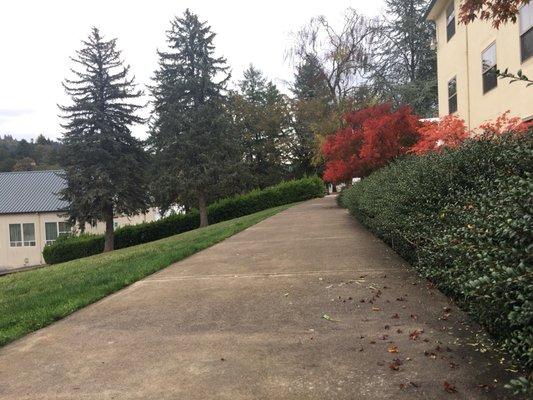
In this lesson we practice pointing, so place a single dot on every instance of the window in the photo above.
(21, 235)
(29, 234)
(452, 95)
(54, 229)
(15, 235)
(450, 21)
(526, 31)
(489, 67)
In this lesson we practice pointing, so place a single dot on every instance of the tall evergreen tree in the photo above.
(197, 154)
(104, 164)
(262, 118)
(403, 66)
(312, 115)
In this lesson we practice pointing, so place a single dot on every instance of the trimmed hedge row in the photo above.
(463, 219)
(73, 247)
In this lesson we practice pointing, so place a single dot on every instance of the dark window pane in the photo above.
(450, 30)
(526, 44)
(15, 235)
(452, 95)
(50, 229)
(29, 234)
(490, 80)
(452, 104)
(450, 21)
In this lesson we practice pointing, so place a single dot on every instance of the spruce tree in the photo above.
(262, 117)
(313, 116)
(104, 164)
(403, 68)
(196, 152)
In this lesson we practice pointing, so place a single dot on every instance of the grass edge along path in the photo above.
(34, 299)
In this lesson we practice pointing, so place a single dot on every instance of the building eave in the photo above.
(434, 9)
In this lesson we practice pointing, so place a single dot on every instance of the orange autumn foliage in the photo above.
(449, 132)
(376, 135)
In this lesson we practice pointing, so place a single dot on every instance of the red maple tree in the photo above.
(449, 132)
(499, 11)
(505, 124)
(372, 137)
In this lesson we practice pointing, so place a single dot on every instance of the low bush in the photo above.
(73, 247)
(463, 218)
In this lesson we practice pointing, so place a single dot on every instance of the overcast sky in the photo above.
(37, 38)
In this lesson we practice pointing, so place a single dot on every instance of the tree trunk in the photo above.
(109, 230)
(202, 207)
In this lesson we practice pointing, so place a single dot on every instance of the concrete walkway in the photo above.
(304, 305)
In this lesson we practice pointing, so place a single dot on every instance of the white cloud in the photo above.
(38, 37)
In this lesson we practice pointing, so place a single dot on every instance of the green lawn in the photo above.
(33, 299)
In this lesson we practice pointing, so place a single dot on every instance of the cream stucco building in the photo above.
(467, 55)
(31, 216)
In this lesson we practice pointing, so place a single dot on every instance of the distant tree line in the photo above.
(21, 155)
(207, 139)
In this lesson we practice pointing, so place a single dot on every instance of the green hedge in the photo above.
(463, 218)
(70, 248)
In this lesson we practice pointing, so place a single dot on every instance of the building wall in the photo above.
(15, 257)
(461, 56)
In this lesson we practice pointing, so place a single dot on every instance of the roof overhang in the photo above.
(434, 9)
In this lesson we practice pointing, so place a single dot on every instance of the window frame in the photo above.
(58, 231)
(454, 96)
(523, 31)
(487, 70)
(15, 243)
(24, 230)
(450, 21)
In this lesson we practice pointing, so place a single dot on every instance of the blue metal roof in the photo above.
(31, 191)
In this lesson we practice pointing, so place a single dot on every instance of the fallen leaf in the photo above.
(449, 387)
(395, 364)
(415, 334)
(328, 318)
(392, 349)
(430, 354)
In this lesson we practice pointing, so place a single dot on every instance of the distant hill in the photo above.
(21, 155)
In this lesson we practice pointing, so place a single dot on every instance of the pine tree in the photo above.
(262, 118)
(403, 66)
(196, 153)
(104, 164)
(312, 115)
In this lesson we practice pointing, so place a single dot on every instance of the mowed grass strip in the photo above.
(33, 299)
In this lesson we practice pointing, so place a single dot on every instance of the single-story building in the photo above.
(32, 216)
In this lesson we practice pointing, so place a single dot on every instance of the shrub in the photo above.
(463, 218)
(74, 247)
